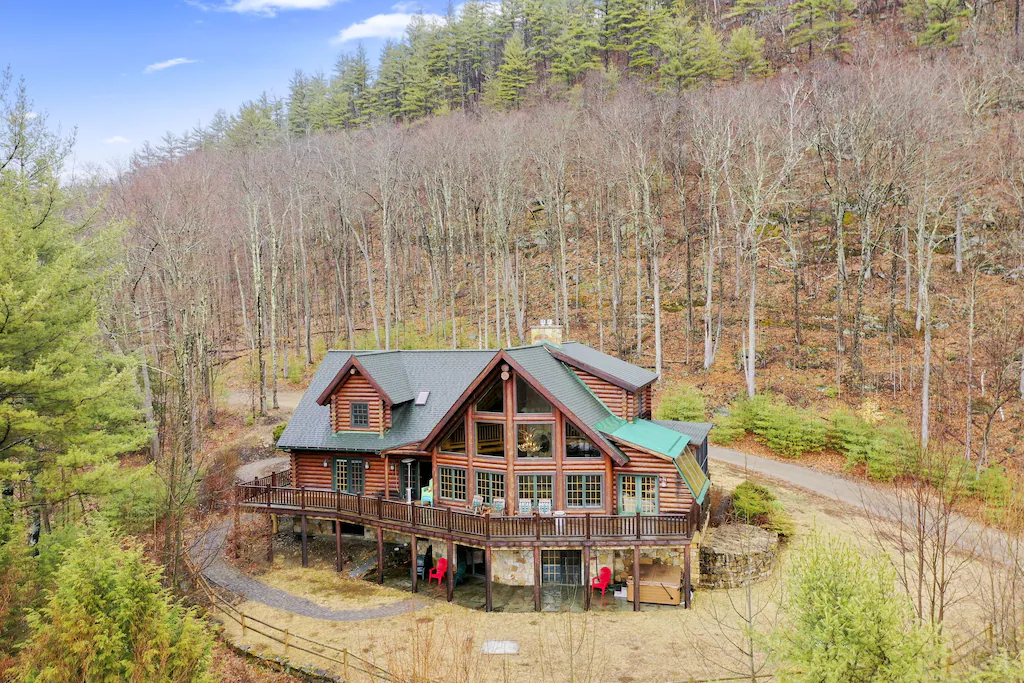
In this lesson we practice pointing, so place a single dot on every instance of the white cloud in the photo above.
(117, 140)
(160, 66)
(382, 26)
(272, 7)
(31, 115)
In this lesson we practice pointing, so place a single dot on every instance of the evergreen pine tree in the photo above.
(108, 619)
(299, 104)
(514, 75)
(822, 23)
(68, 407)
(575, 48)
(746, 53)
(938, 22)
(710, 63)
(633, 27)
(678, 42)
(749, 10)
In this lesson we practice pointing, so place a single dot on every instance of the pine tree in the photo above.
(749, 10)
(823, 23)
(514, 75)
(746, 53)
(257, 123)
(678, 42)
(633, 27)
(710, 63)
(348, 90)
(108, 619)
(540, 28)
(386, 93)
(575, 48)
(68, 407)
(299, 105)
(938, 21)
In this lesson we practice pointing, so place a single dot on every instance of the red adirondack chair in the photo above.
(603, 578)
(438, 572)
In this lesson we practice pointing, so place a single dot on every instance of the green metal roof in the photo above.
(645, 435)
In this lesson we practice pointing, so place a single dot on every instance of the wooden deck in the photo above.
(273, 495)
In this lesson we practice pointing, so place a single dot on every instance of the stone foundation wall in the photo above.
(736, 554)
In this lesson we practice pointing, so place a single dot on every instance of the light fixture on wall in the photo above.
(366, 464)
(326, 463)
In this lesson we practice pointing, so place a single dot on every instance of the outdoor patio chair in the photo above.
(439, 571)
(603, 578)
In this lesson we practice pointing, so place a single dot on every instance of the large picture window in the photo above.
(490, 485)
(348, 475)
(493, 400)
(490, 439)
(455, 442)
(577, 445)
(359, 414)
(584, 491)
(536, 487)
(534, 440)
(529, 400)
(453, 483)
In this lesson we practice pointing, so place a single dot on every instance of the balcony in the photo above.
(273, 495)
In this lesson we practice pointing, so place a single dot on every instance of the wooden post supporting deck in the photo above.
(536, 578)
(586, 577)
(272, 519)
(380, 555)
(305, 542)
(451, 570)
(636, 578)
(686, 576)
(339, 559)
(414, 574)
(488, 593)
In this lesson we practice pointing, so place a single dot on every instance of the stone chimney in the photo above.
(547, 331)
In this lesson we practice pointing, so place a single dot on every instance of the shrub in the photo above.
(108, 619)
(683, 403)
(295, 370)
(994, 486)
(880, 449)
(755, 504)
(278, 431)
(728, 428)
(786, 430)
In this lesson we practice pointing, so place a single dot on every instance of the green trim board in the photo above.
(694, 476)
(645, 435)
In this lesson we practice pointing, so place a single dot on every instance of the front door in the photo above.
(638, 493)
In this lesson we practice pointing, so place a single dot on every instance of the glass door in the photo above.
(638, 493)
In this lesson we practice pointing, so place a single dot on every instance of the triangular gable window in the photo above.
(493, 400)
(529, 400)
(455, 442)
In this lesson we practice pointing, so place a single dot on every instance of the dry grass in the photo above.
(325, 587)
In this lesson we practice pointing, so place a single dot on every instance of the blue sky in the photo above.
(126, 71)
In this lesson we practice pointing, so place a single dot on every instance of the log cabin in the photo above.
(532, 465)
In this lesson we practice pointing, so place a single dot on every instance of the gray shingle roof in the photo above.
(446, 374)
(610, 365)
(388, 370)
(697, 431)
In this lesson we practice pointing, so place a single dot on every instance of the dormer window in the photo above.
(359, 415)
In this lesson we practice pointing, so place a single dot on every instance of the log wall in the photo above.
(357, 389)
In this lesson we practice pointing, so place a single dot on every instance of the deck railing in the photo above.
(273, 493)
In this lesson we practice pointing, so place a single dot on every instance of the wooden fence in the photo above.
(342, 657)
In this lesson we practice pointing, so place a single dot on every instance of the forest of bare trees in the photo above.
(842, 232)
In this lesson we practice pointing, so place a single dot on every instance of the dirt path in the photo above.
(240, 401)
